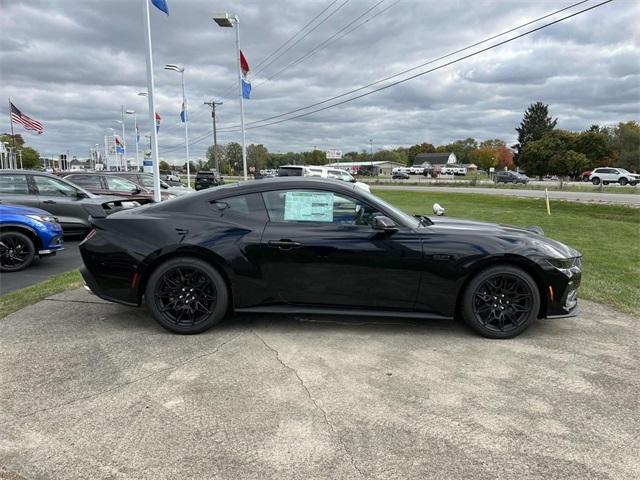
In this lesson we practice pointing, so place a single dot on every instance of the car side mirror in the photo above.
(81, 195)
(384, 224)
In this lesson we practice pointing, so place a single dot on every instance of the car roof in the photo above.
(257, 186)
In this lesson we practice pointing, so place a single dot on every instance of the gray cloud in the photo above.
(73, 64)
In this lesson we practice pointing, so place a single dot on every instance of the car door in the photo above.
(62, 200)
(319, 248)
(15, 188)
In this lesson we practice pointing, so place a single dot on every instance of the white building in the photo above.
(370, 168)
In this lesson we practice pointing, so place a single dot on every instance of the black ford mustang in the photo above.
(307, 245)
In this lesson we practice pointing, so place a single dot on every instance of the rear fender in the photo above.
(178, 250)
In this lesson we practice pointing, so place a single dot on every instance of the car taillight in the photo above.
(92, 233)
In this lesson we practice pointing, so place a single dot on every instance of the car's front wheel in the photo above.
(501, 302)
(623, 181)
(187, 295)
(595, 181)
(17, 251)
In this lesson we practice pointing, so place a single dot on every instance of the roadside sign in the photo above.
(334, 154)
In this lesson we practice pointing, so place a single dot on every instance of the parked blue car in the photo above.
(24, 233)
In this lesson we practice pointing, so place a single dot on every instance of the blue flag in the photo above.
(161, 5)
(246, 90)
(183, 115)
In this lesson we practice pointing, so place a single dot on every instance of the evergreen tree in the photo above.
(534, 125)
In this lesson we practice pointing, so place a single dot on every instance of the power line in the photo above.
(253, 124)
(416, 67)
(295, 35)
(226, 92)
(326, 42)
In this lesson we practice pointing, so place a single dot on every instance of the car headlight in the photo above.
(43, 218)
(565, 263)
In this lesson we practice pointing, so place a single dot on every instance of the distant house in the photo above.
(430, 160)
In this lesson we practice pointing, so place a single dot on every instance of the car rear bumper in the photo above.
(105, 293)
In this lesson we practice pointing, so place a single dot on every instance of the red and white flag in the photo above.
(27, 122)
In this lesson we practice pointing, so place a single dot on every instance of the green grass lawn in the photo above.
(14, 301)
(607, 235)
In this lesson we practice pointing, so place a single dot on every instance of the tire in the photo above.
(595, 181)
(623, 181)
(516, 297)
(183, 280)
(17, 251)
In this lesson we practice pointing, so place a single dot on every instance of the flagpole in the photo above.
(135, 128)
(244, 148)
(13, 138)
(152, 108)
(186, 129)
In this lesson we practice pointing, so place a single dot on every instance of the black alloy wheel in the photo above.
(186, 295)
(501, 302)
(17, 251)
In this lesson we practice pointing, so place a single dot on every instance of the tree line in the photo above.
(542, 149)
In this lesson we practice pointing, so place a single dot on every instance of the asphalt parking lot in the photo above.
(96, 390)
(43, 268)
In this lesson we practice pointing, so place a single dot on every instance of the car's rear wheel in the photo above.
(187, 295)
(501, 302)
(17, 251)
(595, 181)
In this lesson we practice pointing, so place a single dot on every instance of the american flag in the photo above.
(27, 122)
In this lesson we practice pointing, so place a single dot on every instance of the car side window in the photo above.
(120, 184)
(14, 184)
(241, 206)
(316, 206)
(86, 181)
(53, 187)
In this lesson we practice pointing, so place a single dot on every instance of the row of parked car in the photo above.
(37, 208)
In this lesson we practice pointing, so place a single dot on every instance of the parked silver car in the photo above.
(69, 203)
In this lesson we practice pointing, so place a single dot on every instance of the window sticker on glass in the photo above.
(308, 207)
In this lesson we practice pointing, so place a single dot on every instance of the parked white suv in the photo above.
(608, 175)
(320, 171)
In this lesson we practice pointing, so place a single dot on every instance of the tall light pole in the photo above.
(228, 20)
(124, 140)
(185, 120)
(135, 134)
(97, 145)
(213, 105)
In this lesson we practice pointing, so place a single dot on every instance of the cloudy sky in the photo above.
(72, 64)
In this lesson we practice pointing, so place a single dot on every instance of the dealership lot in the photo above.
(96, 390)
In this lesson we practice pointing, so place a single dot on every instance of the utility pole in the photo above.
(371, 154)
(213, 104)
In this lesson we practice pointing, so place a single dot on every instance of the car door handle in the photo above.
(284, 244)
(49, 201)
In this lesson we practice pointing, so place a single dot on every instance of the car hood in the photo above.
(9, 209)
(533, 236)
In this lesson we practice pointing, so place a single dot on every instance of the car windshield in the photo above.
(409, 220)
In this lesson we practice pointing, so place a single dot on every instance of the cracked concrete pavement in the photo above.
(96, 390)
